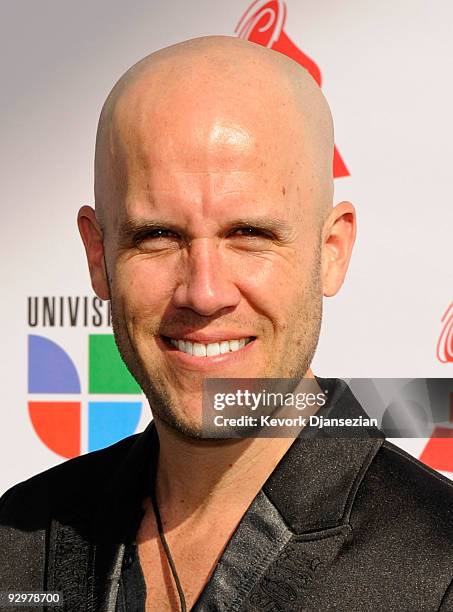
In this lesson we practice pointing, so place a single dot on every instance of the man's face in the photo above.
(214, 255)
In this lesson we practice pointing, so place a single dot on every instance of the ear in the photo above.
(338, 239)
(92, 237)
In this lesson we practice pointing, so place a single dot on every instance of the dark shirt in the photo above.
(132, 588)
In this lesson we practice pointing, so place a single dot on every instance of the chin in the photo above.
(187, 428)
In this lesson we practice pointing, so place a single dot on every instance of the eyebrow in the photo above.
(131, 229)
(283, 230)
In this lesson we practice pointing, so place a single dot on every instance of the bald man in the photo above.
(215, 238)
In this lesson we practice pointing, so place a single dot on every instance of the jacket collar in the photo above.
(119, 512)
(314, 484)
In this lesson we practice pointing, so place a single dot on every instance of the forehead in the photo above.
(194, 129)
(199, 138)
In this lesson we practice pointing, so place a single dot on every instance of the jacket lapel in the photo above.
(313, 489)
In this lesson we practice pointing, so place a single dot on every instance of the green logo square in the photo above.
(106, 370)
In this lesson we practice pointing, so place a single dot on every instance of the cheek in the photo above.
(144, 289)
(273, 286)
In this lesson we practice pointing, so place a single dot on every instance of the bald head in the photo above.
(201, 101)
(213, 172)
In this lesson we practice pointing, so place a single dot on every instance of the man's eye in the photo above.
(160, 233)
(250, 238)
(249, 232)
(155, 238)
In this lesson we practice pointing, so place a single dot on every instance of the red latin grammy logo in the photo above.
(263, 23)
(445, 342)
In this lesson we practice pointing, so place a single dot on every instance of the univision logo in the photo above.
(57, 420)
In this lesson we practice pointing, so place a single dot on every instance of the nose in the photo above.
(206, 287)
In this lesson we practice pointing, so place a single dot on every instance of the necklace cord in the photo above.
(164, 543)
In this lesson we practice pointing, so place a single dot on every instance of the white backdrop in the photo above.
(386, 71)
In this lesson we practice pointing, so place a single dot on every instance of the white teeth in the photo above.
(209, 350)
(224, 346)
(234, 345)
(199, 350)
(213, 349)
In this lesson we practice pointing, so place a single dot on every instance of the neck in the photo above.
(203, 475)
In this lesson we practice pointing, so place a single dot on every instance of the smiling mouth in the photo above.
(198, 349)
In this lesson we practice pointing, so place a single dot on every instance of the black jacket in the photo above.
(342, 524)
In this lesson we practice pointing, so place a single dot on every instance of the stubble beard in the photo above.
(290, 365)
